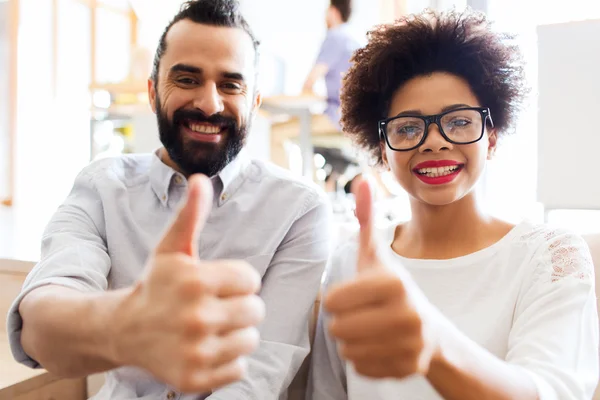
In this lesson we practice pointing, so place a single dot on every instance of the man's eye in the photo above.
(231, 86)
(186, 81)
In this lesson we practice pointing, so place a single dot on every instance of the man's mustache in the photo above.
(182, 116)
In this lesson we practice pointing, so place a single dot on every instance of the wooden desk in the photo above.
(303, 107)
(18, 382)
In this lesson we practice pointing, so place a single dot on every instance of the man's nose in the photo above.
(208, 100)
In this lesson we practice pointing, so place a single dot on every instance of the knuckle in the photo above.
(204, 355)
(419, 346)
(366, 370)
(415, 324)
(409, 362)
(398, 348)
(335, 329)
(411, 354)
(201, 322)
(410, 324)
(204, 322)
(237, 370)
(414, 365)
(254, 308)
(209, 379)
(243, 342)
(248, 340)
(397, 322)
(193, 286)
(262, 310)
(245, 270)
(394, 286)
(347, 352)
(253, 339)
(403, 368)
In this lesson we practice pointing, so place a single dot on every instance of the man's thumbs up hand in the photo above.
(189, 322)
(184, 232)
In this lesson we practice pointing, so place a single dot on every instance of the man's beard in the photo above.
(194, 157)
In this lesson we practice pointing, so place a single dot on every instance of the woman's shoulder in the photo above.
(556, 253)
(545, 237)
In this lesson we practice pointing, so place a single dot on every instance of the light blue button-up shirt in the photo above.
(101, 236)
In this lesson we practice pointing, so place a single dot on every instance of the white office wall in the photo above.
(569, 99)
(415, 6)
(4, 94)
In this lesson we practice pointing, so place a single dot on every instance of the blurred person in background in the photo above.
(332, 62)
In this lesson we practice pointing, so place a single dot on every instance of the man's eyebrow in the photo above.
(236, 76)
(185, 68)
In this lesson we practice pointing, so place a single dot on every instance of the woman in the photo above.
(454, 303)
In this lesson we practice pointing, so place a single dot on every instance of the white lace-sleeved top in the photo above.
(529, 299)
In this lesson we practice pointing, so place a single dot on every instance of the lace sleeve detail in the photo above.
(570, 258)
(563, 255)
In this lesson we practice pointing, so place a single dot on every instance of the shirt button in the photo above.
(164, 197)
(224, 196)
(178, 179)
(170, 395)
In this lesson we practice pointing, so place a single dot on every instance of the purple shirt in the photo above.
(336, 51)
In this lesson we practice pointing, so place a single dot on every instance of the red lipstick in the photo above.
(440, 175)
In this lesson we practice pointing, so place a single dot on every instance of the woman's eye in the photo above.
(409, 131)
(460, 122)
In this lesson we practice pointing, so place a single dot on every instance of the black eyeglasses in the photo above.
(459, 126)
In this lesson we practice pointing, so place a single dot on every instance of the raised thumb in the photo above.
(183, 234)
(367, 254)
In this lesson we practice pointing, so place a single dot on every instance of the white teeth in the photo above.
(435, 172)
(203, 128)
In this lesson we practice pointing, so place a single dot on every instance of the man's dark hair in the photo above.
(224, 13)
(344, 7)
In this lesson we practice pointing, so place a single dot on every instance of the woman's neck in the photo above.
(453, 230)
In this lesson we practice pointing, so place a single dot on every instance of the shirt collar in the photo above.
(162, 176)
(233, 169)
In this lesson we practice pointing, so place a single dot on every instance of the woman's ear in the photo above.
(492, 143)
(384, 155)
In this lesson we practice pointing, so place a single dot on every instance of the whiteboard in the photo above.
(569, 115)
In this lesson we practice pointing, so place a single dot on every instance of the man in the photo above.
(334, 57)
(173, 311)
(332, 63)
